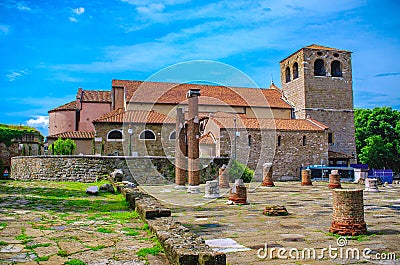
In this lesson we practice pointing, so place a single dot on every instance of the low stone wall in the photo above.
(144, 170)
(181, 246)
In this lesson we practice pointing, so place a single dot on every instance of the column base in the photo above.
(348, 229)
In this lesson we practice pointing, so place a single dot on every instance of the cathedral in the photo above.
(309, 121)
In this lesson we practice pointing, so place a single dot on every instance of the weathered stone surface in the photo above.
(371, 185)
(117, 175)
(348, 213)
(92, 190)
(223, 177)
(212, 190)
(275, 210)
(107, 188)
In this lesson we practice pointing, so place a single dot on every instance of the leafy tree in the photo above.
(238, 170)
(10, 132)
(63, 147)
(378, 137)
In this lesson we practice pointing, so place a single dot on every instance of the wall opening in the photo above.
(336, 70)
(147, 135)
(304, 140)
(287, 74)
(295, 70)
(319, 67)
(114, 135)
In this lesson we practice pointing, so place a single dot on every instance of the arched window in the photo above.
(336, 70)
(279, 140)
(249, 140)
(319, 67)
(114, 135)
(295, 70)
(304, 140)
(287, 74)
(147, 135)
(172, 135)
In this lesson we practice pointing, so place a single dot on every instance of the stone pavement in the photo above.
(53, 223)
(306, 226)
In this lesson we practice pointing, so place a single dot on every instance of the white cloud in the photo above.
(39, 122)
(72, 19)
(23, 6)
(4, 29)
(78, 11)
(15, 74)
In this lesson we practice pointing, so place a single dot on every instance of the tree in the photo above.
(63, 147)
(378, 137)
(238, 170)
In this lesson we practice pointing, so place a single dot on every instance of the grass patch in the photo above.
(97, 247)
(3, 225)
(2, 243)
(104, 230)
(130, 231)
(38, 246)
(143, 252)
(44, 258)
(23, 237)
(359, 238)
(75, 262)
(62, 253)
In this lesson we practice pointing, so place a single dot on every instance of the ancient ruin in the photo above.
(334, 180)
(306, 177)
(238, 193)
(267, 173)
(348, 212)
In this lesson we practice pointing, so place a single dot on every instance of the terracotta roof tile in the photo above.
(171, 93)
(207, 139)
(72, 135)
(320, 47)
(68, 106)
(137, 116)
(267, 124)
(94, 96)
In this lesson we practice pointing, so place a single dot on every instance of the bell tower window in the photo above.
(295, 70)
(287, 74)
(319, 67)
(336, 70)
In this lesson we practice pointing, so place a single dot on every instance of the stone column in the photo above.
(238, 193)
(267, 173)
(223, 177)
(180, 149)
(306, 177)
(334, 180)
(193, 141)
(212, 189)
(371, 185)
(348, 213)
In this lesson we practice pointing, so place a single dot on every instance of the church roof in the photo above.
(68, 106)
(99, 96)
(136, 116)
(172, 93)
(72, 135)
(228, 122)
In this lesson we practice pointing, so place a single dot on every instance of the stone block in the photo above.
(92, 190)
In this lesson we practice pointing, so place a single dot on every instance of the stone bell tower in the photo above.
(317, 81)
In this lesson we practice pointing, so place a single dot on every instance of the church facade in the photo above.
(309, 121)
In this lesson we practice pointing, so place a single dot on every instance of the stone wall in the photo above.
(144, 170)
(161, 146)
(262, 147)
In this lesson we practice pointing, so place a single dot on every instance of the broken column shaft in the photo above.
(348, 213)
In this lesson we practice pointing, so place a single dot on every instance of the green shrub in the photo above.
(63, 147)
(238, 170)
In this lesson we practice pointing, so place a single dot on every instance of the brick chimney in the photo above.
(118, 97)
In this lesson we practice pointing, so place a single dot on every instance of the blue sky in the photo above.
(49, 49)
